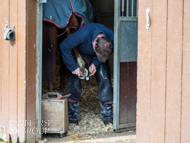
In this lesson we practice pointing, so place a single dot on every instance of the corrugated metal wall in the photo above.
(163, 98)
(17, 69)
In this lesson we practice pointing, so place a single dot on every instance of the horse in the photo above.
(54, 33)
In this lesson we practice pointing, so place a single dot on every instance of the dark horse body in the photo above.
(51, 30)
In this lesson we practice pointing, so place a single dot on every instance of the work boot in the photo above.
(73, 109)
(106, 113)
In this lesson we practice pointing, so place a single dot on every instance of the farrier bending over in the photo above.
(95, 44)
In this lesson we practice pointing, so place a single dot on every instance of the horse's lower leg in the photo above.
(62, 77)
(50, 50)
(51, 86)
(62, 73)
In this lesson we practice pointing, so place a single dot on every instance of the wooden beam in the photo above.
(5, 6)
(1, 60)
(158, 76)
(174, 71)
(31, 70)
(185, 126)
(144, 74)
(21, 38)
(13, 75)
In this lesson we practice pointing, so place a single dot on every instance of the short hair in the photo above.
(103, 48)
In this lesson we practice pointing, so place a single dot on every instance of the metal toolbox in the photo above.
(54, 114)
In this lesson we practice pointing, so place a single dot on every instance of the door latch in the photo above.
(9, 33)
(147, 19)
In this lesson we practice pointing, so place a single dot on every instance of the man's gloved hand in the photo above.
(77, 72)
(92, 69)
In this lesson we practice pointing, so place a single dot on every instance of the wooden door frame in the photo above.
(39, 23)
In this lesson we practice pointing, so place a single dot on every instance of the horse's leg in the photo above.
(80, 61)
(74, 23)
(62, 73)
(50, 86)
(50, 49)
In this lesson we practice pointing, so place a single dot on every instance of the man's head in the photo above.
(103, 48)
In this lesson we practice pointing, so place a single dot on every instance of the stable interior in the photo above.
(91, 125)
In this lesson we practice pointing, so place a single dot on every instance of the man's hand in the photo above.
(77, 72)
(92, 69)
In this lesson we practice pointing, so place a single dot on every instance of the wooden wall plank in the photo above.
(158, 78)
(143, 74)
(21, 39)
(1, 49)
(174, 71)
(5, 72)
(185, 125)
(13, 130)
(31, 69)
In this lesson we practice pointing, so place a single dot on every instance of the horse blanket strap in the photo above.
(59, 12)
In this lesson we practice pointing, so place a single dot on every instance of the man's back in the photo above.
(82, 39)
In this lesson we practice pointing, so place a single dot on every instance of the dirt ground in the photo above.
(108, 137)
(91, 128)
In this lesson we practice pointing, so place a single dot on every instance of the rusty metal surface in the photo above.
(128, 92)
(54, 116)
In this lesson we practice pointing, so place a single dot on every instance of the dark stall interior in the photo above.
(90, 122)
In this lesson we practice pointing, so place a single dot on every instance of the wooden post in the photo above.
(13, 50)
(21, 38)
(5, 72)
(185, 115)
(158, 70)
(174, 71)
(1, 59)
(144, 74)
(31, 71)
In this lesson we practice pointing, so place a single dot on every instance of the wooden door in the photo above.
(163, 97)
(17, 71)
(125, 64)
(12, 71)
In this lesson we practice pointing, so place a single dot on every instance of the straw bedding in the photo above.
(90, 122)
